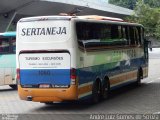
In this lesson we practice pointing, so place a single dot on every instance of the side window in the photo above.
(99, 35)
(137, 36)
(105, 32)
(120, 32)
(124, 35)
(132, 36)
(81, 31)
(4, 45)
(7, 45)
(118, 35)
(127, 34)
(93, 34)
(114, 32)
(13, 45)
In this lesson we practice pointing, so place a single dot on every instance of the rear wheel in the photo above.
(95, 93)
(139, 75)
(13, 87)
(105, 89)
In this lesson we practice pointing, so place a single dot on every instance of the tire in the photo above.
(95, 93)
(13, 87)
(105, 91)
(138, 82)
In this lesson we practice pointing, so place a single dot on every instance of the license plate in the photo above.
(44, 86)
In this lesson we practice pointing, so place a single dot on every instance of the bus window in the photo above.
(7, 45)
(13, 45)
(142, 35)
(132, 36)
(137, 39)
(4, 45)
(126, 32)
(100, 35)
(114, 32)
(124, 35)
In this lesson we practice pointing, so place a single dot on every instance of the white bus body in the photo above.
(54, 63)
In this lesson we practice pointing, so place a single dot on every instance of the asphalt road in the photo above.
(127, 100)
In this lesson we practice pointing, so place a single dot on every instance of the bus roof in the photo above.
(7, 34)
(85, 17)
(94, 17)
(97, 17)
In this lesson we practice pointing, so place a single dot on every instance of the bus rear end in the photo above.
(44, 55)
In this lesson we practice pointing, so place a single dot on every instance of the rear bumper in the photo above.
(48, 95)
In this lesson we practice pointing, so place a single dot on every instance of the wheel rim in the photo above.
(105, 90)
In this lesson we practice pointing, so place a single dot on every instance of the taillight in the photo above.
(73, 76)
(18, 75)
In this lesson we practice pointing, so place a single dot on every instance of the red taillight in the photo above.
(18, 74)
(73, 76)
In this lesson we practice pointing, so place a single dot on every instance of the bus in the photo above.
(8, 59)
(67, 58)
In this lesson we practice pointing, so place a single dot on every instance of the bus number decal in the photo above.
(44, 72)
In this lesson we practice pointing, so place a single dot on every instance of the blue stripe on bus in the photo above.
(89, 74)
(45, 76)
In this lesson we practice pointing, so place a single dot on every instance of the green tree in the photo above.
(148, 17)
(157, 33)
(132, 3)
(152, 3)
(147, 13)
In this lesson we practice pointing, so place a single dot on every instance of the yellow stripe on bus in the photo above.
(123, 77)
(86, 89)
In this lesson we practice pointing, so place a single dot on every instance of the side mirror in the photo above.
(148, 43)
